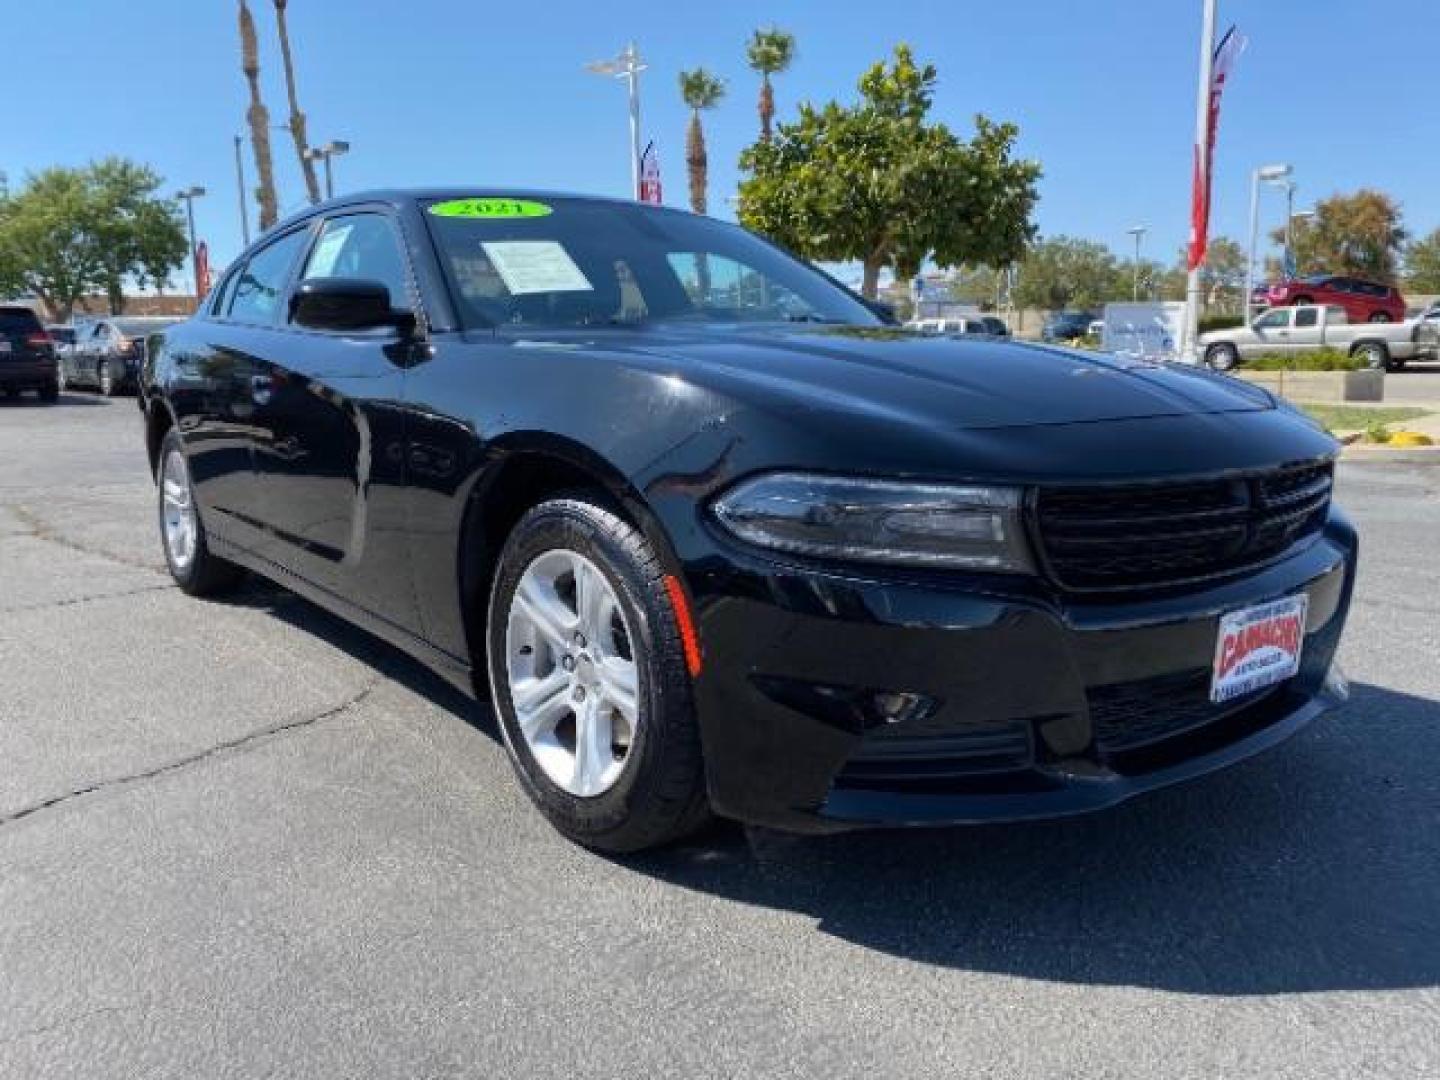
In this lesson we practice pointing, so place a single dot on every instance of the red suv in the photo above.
(1363, 301)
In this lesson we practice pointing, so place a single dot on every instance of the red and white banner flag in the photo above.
(202, 270)
(650, 176)
(1226, 53)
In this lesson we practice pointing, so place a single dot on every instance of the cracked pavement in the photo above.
(241, 839)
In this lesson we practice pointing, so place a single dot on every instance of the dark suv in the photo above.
(27, 354)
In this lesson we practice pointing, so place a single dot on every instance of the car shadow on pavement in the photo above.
(384, 658)
(1314, 867)
(30, 401)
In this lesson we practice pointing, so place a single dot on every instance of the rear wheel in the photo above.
(50, 392)
(589, 679)
(182, 534)
(1222, 357)
(1303, 300)
(1379, 316)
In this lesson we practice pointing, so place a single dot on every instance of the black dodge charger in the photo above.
(713, 538)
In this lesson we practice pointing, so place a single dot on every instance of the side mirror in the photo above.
(346, 304)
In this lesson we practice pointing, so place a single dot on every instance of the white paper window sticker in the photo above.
(328, 249)
(535, 266)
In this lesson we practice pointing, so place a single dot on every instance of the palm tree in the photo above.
(701, 90)
(297, 118)
(259, 118)
(770, 52)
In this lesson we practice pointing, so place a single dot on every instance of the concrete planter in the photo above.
(1320, 385)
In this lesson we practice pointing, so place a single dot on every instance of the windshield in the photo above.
(572, 262)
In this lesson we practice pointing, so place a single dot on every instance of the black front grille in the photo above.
(1126, 716)
(1145, 535)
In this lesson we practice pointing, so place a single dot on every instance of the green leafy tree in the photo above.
(876, 183)
(1066, 272)
(69, 232)
(138, 236)
(1222, 278)
(1422, 264)
(1360, 234)
(770, 52)
(701, 91)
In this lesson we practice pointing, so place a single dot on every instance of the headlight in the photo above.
(944, 525)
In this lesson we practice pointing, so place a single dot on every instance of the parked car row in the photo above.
(106, 354)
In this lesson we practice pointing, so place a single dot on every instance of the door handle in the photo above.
(261, 386)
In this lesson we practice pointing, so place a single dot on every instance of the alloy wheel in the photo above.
(107, 379)
(573, 679)
(178, 510)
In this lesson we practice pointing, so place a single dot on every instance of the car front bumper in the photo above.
(829, 701)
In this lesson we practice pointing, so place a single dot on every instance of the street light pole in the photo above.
(1138, 232)
(332, 149)
(1269, 174)
(190, 194)
(1190, 331)
(627, 66)
(240, 184)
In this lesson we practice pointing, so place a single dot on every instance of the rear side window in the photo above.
(260, 286)
(18, 320)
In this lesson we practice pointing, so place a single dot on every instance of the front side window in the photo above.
(1273, 320)
(261, 284)
(1307, 317)
(361, 246)
(576, 262)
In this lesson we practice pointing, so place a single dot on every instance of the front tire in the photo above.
(182, 532)
(1222, 357)
(589, 679)
(109, 385)
(1374, 354)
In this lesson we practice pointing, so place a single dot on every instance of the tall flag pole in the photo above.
(1200, 171)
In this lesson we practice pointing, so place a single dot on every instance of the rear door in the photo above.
(330, 453)
(219, 388)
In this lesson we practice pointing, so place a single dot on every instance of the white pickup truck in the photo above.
(1288, 331)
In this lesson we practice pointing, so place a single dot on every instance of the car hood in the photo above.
(938, 381)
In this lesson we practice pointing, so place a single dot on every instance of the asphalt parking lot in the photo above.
(240, 839)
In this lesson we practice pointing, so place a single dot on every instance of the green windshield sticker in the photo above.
(490, 208)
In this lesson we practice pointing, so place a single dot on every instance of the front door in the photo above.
(329, 452)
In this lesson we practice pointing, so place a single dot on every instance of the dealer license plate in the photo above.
(1258, 647)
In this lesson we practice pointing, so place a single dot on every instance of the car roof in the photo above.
(405, 196)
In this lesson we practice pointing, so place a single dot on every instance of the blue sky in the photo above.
(457, 91)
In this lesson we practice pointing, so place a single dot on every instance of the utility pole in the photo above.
(1138, 232)
(1270, 174)
(190, 194)
(240, 183)
(334, 148)
(627, 66)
